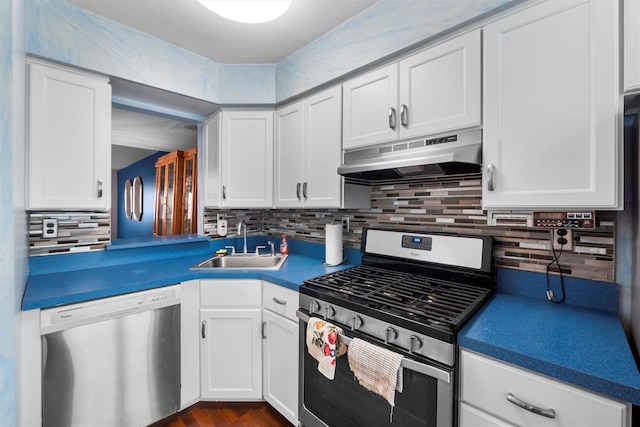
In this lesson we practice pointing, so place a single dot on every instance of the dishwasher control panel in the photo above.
(78, 314)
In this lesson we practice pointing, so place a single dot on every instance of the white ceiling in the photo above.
(188, 24)
(136, 135)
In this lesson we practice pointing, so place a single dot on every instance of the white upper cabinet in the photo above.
(238, 170)
(370, 108)
(631, 45)
(433, 91)
(68, 138)
(308, 152)
(551, 105)
(440, 88)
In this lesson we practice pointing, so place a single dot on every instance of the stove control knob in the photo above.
(356, 322)
(314, 306)
(329, 312)
(391, 335)
(415, 343)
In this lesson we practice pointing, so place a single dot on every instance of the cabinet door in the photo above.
(231, 353)
(247, 159)
(211, 176)
(69, 139)
(280, 364)
(631, 45)
(551, 107)
(440, 88)
(323, 154)
(473, 417)
(370, 108)
(485, 383)
(289, 154)
(189, 343)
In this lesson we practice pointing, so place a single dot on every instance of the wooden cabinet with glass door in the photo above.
(189, 218)
(169, 178)
(175, 210)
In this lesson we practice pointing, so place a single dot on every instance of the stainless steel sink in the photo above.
(250, 261)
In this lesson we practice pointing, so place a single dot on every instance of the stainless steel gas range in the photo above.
(413, 292)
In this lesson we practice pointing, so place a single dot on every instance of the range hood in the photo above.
(451, 154)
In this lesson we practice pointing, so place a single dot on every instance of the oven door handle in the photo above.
(410, 364)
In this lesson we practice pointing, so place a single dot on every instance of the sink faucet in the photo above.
(273, 251)
(242, 225)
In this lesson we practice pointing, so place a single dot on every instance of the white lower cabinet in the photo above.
(189, 343)
(231, 344)
(280, 350)
(490, 390)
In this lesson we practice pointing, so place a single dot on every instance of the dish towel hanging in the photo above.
(323, 345)
(377, 369)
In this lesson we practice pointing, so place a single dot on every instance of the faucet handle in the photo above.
(258, 249)
(233, 249)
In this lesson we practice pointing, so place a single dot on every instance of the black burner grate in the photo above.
(424, 299)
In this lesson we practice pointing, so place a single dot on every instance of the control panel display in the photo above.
(416, 242)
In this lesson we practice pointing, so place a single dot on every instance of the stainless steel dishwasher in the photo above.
(113, 361)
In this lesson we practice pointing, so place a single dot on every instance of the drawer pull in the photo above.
(549, 413)
(279, 301)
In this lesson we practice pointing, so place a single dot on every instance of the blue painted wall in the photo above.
(13, 249)
(65, 33)
(145, 169)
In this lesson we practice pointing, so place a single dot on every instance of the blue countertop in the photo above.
(573, 341)
(65, 279)
(579, 345)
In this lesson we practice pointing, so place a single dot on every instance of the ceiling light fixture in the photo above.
(248, 11)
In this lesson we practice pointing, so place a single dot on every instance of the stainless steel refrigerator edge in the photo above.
(628, 226)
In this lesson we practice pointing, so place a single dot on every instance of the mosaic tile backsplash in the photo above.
(77, 232)
(445, 204)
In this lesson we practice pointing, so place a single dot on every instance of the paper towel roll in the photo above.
(333, 244)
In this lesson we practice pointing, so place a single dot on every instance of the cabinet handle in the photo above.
(279, 301)
(392, 118)
(264, 335)
(404, 115)
(224, 192)
(490, 173)
(204, 329)
(304, 190)
(99, 189)
(298, 190)
(549, 413)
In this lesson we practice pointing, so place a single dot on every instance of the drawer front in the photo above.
(230, 293)
(280, 300)
(486, 382)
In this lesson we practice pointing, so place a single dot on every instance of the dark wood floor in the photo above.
(226, 414)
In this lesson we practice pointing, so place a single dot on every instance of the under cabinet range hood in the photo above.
(455, 153)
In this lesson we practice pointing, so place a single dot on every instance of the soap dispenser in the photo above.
(284, 246)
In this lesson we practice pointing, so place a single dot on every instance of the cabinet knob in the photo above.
(304, 190)
(264, 335)
(204, 329)
(224, 192)
(298, 190)
(392, 118)
(99, 189)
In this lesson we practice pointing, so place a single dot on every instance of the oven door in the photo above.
(427, 399)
